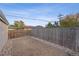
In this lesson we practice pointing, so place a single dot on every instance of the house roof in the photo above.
(3, 18)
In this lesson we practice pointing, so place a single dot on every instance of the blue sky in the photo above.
(31, 11)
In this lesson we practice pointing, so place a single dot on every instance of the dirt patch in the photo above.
(27, 46)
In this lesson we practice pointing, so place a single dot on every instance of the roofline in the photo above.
(4, 21)
(3, 18)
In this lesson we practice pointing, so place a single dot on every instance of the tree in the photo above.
(49, 25)
(60, 16)
(19, 24)
(69, 22)
(56, 24)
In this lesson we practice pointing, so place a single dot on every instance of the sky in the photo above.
(35, 14)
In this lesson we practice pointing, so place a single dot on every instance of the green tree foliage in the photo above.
(19, 24)
(49, 25)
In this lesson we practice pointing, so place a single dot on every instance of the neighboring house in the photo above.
(28, 27)
(3, 30)
(39, 27)
(11, 27)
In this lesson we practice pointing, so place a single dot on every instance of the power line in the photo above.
(30, 18)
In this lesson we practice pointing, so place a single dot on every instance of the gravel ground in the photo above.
(7, 49)
(27, 46)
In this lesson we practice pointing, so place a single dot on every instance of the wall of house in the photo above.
(3, 34)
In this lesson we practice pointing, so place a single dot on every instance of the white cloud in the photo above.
(37, 13)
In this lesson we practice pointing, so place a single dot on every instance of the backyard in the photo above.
(30, 43)
(30, 32)
(29, 46)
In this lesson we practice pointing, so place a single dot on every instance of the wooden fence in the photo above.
(68, 37)
(18, 33)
